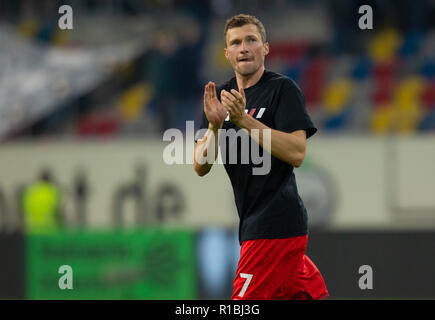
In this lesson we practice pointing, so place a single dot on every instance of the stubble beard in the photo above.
(247, 73)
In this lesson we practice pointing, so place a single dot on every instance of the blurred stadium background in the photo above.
(85, 109)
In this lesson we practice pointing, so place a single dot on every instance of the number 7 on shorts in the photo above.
(248, 278)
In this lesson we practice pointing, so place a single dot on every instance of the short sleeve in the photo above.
(291, 113)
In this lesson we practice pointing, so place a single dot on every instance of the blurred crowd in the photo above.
(377, 81)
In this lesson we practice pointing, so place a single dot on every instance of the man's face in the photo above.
(245, 50)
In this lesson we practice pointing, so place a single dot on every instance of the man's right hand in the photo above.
(214, 110)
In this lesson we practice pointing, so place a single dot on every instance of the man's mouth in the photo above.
(245, 59)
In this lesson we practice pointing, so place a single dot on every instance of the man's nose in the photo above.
(244, 47)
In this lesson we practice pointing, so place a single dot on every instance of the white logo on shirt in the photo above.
(251, 113)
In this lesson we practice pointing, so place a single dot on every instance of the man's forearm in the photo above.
(202, 162)
(287, 147)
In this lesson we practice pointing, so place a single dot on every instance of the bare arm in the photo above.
(216, 115)
(288, 147)
(200, 155)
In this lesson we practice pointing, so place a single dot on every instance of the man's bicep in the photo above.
(300, 133)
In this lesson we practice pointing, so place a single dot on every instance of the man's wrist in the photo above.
(214, 128)
(242, 123)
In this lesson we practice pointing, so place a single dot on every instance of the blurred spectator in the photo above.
(161, 74)
(187, 75)
(42, 204)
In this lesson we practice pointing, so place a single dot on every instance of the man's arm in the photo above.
(200, 164)
(288, 147)
(216, 115)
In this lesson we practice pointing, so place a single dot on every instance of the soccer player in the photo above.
(273, 228)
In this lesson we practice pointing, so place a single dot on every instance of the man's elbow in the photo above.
(201, 171)
(297, 164)
(298, 159)
(197, 167)
(297, 155)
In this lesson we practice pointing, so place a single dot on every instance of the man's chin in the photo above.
(246, 72)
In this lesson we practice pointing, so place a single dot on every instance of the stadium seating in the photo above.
(388, 86)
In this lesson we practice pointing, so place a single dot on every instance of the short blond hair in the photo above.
(241, 20)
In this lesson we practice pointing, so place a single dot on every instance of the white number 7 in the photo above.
(248, 278)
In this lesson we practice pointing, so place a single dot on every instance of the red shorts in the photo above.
(277, 269)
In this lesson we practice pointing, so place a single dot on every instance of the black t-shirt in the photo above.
(268, 205)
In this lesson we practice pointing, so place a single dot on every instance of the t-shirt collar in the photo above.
(263, 76)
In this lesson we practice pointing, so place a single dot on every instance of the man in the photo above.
(273, 220)
(42, 205)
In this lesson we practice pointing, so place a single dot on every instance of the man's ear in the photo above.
(226, 52)
(266, 48)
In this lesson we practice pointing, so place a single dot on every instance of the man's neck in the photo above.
(248, 81)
